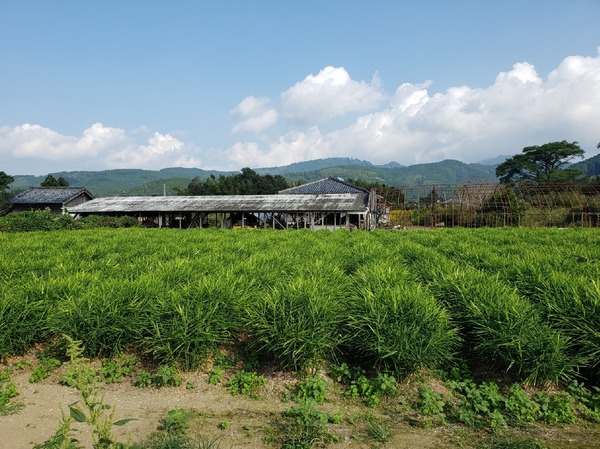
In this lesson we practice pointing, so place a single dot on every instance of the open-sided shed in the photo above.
(350, 210)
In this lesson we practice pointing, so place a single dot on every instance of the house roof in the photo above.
(226, 203)
(324, 186)
(49, 195)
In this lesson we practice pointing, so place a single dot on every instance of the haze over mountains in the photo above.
(167, 180)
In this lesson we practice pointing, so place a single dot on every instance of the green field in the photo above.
(523, 301)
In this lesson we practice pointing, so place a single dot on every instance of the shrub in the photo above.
(36, 220)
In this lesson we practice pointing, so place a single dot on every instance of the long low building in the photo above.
(316, 211)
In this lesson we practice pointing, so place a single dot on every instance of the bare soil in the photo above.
(240, 421)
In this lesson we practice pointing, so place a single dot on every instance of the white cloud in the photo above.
(43, 150)
(254, 115)
(292, 147)
(329, 94)
(519, 109)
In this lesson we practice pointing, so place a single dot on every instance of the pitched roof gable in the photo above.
(49, 195)
(324, 186)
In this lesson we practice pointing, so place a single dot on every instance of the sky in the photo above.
(95, 85)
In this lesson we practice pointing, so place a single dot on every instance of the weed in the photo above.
(224, 425)
(215, 375)
(8, 391)
(22, 364)
(430, 403)
(247, 383)
(370, 390)
(479, 405)
(144, 379)
(78, 375)
(520, 408)
(304, 427)
(164, 376)
(313, 387)
(116, 369)
(176, 422)
(63, 437)
(516, 443)
(589, 400)
(44, 369)
(92, 410)
(172, 434)
(378, 430)
(556, 408)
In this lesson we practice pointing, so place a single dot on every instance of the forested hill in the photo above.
(589, 167)
(156, 182)
(444, 172)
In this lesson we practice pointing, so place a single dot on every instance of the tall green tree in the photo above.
(541, 163)
(5, 180)
(51, 181)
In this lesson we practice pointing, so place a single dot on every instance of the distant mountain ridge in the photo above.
(320, 164)
(168, 180)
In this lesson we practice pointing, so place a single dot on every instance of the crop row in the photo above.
(522, 301)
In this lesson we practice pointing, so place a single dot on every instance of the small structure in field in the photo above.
(56, 199)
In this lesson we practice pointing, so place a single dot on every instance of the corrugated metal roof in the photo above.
(226, 203)
(324, 186)
(49, 195)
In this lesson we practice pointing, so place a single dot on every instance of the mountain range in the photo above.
(168, 180)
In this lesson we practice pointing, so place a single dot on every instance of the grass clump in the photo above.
(191, 321)
(298, 324)
(396, 325)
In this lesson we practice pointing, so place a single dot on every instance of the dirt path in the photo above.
(239, 421)
(246, 418)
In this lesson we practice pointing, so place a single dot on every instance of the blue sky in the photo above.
(90, 85)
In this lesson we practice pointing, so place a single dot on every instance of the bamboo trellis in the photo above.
(483, 204)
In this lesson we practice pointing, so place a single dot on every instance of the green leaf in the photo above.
(122, 422)
(77, 414)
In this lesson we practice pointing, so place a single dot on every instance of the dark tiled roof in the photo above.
(49, 195)
(324, 186)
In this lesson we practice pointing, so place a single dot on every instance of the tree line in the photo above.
(247, 182)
